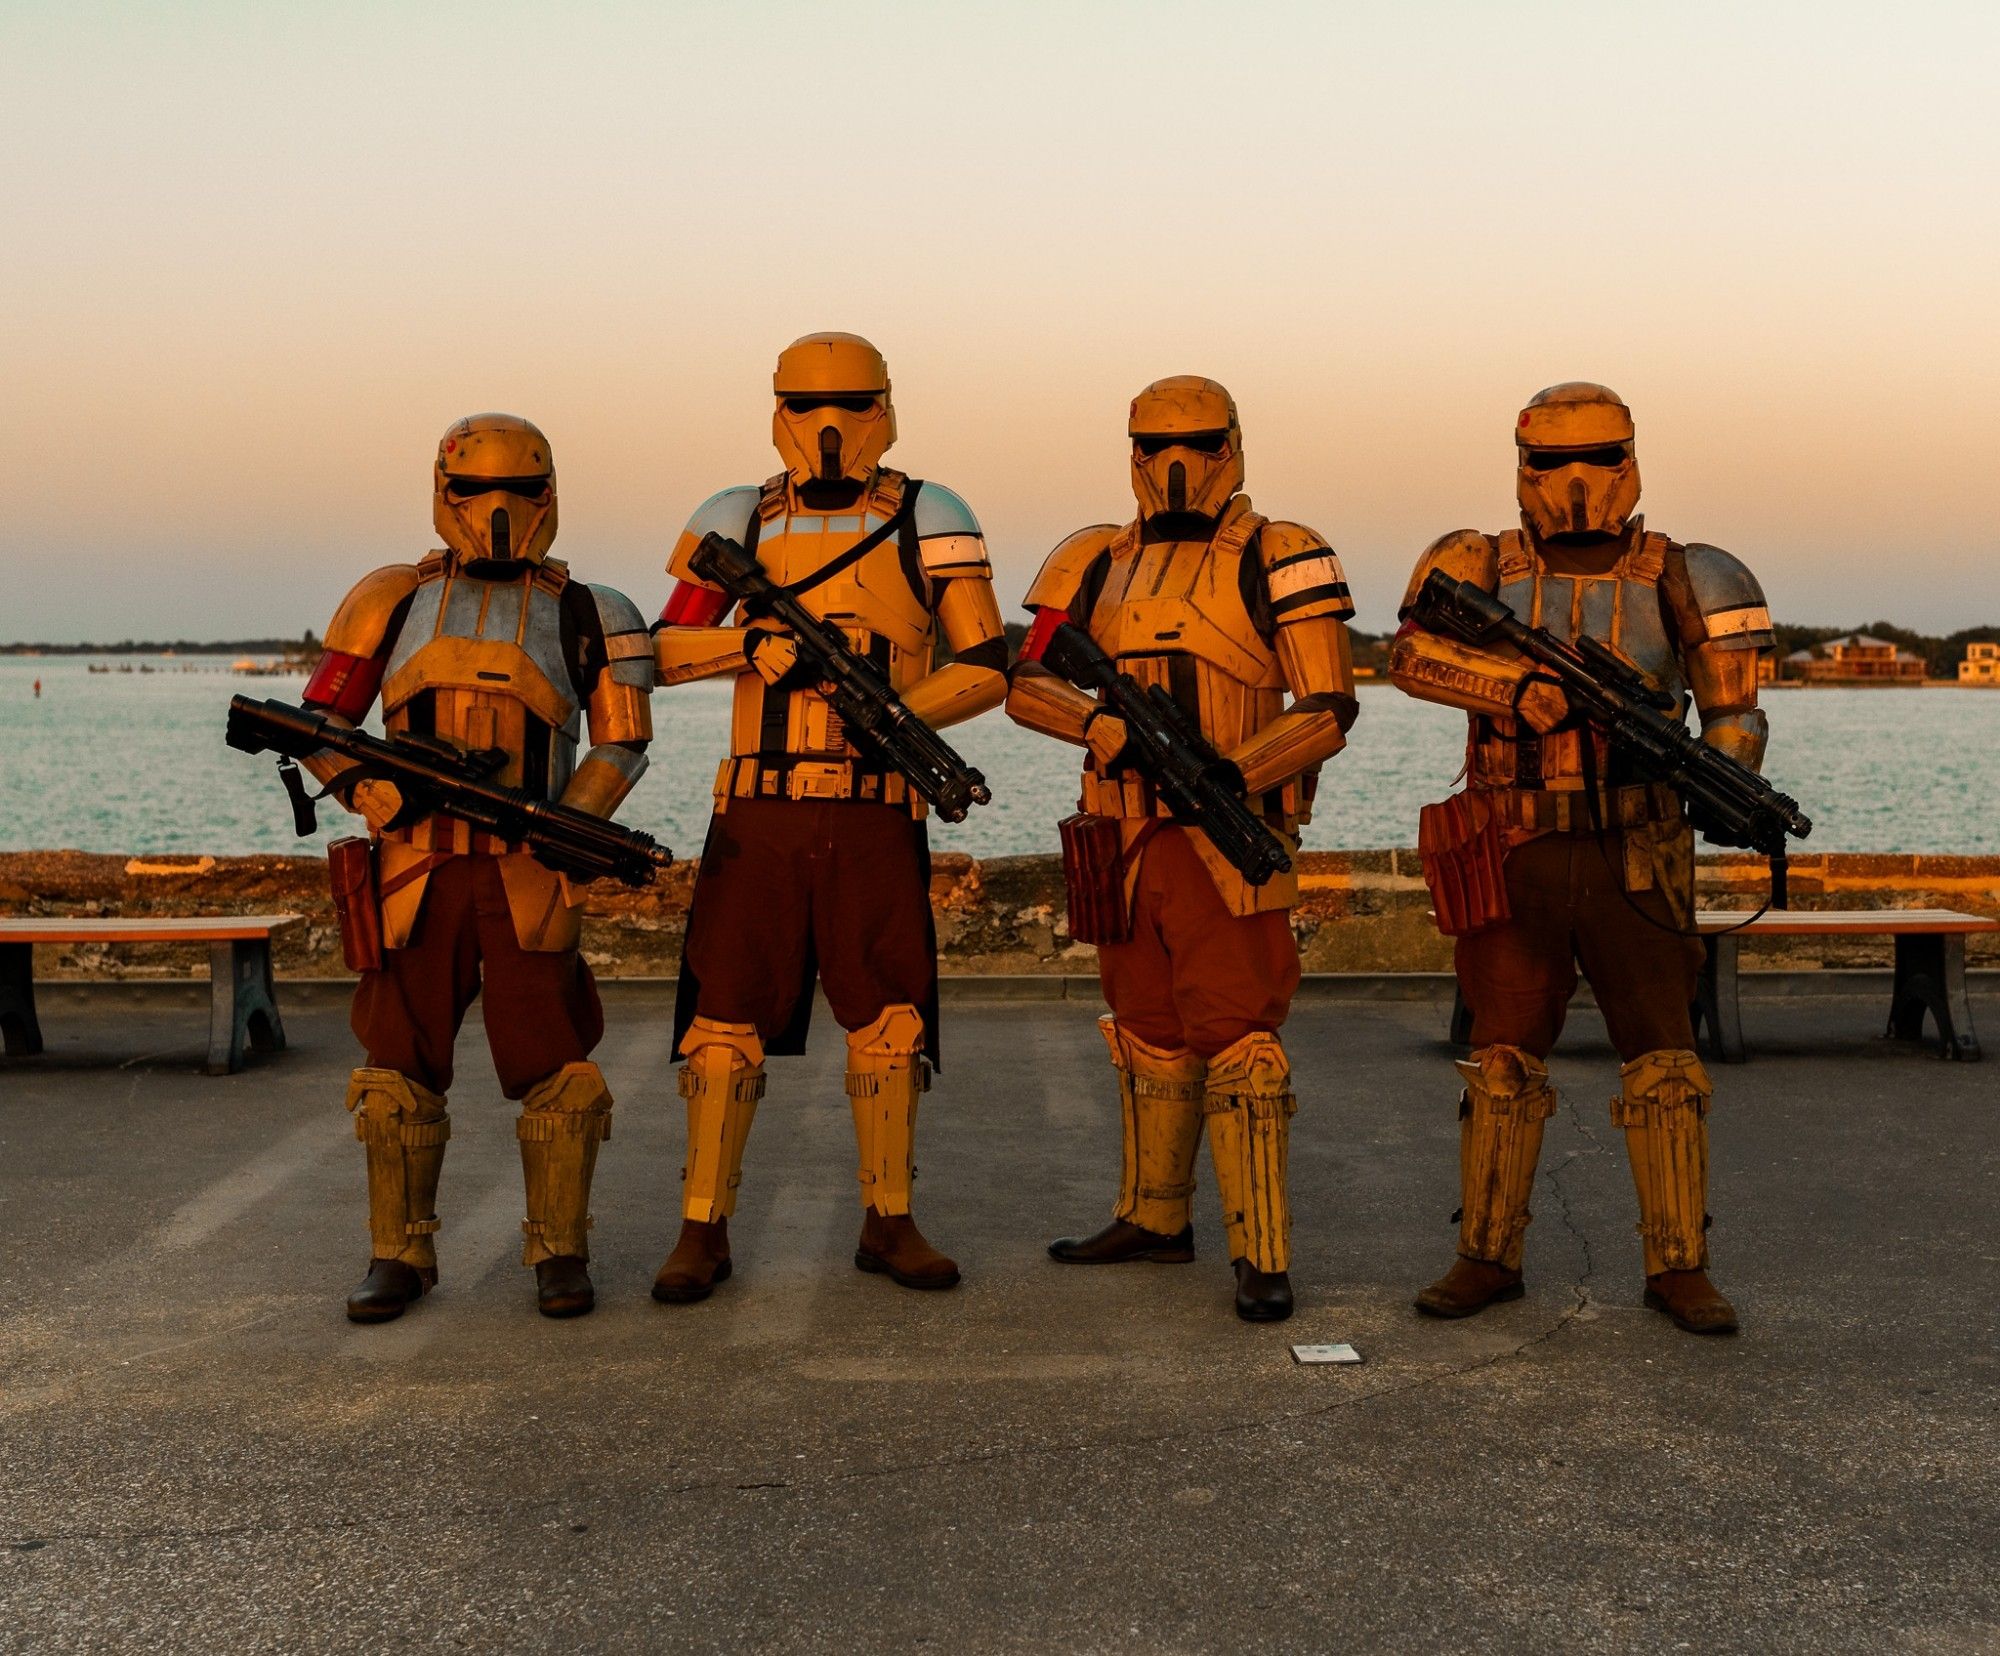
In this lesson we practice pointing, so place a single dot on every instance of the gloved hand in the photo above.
(1105, 737)
(1542, 705)
(375, 801)
(774, 654)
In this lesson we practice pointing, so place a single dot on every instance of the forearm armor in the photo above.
(1435, 669)
(604, 777)
(1306, 733)
(969, 617)
(956, 692)
(683, 654)
(1724, 681)
(620, 719)
(1040, 700)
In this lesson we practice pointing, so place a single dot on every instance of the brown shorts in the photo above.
(1194, 975)
(790, 889)
(1570, 907)
(542, 1010)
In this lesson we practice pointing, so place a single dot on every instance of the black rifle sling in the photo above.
(861, 548)
(776, 722)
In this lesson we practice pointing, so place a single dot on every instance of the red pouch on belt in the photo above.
(1464, 861)
(350, 865)
(1093, 856)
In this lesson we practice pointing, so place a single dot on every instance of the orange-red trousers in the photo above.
(1570, 907)
(1194, 975)
(542, 1010)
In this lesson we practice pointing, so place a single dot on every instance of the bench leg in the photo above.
(22, 1033)
(1461, 1018)
(1717, 1004)
(1930, 977)
(242, 1004)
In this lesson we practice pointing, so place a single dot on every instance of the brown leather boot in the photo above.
(1694, 1302)
(389, 1289)
(699, 1261)
(892, 1244)
(1469, 1287)
(1121, 1242)
(1262, 1296)
(563, 1287)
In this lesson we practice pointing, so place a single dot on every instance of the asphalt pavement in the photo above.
(199, 1452)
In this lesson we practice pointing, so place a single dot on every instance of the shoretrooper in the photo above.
(487, 644)
(1231, 614)
(816, 857)
(1596, 865)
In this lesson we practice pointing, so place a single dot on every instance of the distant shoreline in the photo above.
(179, 647)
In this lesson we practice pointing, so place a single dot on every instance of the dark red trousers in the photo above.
(1194, 975)
(542, 1010)
(1570, 908)
(788, 887)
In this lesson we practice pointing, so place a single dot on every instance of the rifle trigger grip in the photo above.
(305, 819)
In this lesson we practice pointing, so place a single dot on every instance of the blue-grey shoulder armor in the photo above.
(628, 645)
(727, 512)
(1729, 597)
(940, 512)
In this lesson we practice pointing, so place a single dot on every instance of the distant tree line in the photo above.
(309, 645)
(1941, 655)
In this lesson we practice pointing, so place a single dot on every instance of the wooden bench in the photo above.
(242, 995)
(1930, 972)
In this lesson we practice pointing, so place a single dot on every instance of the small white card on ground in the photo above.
(1342, 1353)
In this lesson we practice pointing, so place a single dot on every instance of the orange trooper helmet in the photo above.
(1187, 449)
(1578, 474)
(834, 421)
(493, 492)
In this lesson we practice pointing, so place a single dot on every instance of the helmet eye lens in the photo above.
(1542, 460)
(851, 405)
(1202, 442)
(467, 488)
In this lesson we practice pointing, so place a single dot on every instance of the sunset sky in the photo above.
(257, 256)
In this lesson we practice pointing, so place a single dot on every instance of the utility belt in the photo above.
(796, 777)
(1568, 810)
(1129, 795)
(448, 835)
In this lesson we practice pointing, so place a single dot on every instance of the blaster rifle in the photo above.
(433, 775)
(1166, 746)
(873, 715)
(1729, 802)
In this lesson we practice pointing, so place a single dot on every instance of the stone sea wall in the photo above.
(1362, 911)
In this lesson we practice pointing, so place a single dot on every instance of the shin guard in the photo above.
(1248, 1110)
(722, 1081)
(402, 1127)
(1663, 1108)
(564, 1117)
(1160, 1094)
(886, 1070)
(1501, 1114)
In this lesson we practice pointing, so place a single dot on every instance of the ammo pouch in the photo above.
(350, 865)
(1464, 860)
(1093, 856)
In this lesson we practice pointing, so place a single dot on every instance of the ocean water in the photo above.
(134, 763)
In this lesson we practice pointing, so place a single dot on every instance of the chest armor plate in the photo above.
(873, 601)
(1620, 608)
(1172, 613)
(873, 596)
(480, 663)
(1183, 598)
